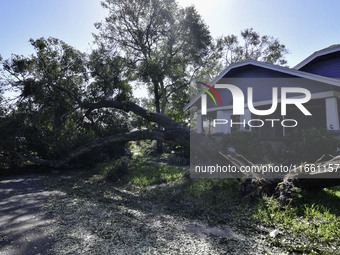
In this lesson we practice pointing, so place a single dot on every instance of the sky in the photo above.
(69, 20)
(303, 26)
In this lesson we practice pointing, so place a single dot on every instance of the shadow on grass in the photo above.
(156, 205)
(328, 198)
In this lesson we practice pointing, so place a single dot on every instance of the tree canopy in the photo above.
(253, 46)
(163, 45)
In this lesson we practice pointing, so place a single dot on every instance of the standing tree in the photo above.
(263, 48)
(165, 46)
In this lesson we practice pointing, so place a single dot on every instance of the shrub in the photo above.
(308, 145)
(245, 143)
(146, 147)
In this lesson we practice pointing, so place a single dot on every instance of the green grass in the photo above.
(208, 193)
(143, 173)
(334, 191)
(214, 196)
(310, 224)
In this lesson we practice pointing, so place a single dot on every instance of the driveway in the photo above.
(22, 221)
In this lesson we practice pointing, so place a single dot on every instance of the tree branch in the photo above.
(158, 118)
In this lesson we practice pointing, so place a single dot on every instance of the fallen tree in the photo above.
(172, 133)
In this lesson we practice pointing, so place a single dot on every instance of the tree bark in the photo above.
(162, 120)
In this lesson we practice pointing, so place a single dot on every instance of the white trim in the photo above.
(314, 77)
(315, 55)
(332, 115)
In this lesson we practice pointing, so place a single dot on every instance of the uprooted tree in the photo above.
(69, 106)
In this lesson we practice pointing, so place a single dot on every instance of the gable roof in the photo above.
(328, 50)
(286, 70)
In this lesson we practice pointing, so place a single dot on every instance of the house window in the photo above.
(316, 107)
(267, 131)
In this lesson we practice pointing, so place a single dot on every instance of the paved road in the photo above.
(22, 222)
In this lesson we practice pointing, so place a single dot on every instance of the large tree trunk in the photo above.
(172, 132)
(159, 147)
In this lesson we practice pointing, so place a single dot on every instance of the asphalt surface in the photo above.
(23, 223)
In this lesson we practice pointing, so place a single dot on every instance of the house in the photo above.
(318, 74)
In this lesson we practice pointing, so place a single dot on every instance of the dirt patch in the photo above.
(203, 231)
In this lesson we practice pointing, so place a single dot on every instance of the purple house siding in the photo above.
(262, 80)
(328, 65)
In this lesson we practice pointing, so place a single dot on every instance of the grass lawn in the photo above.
(310, 224)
